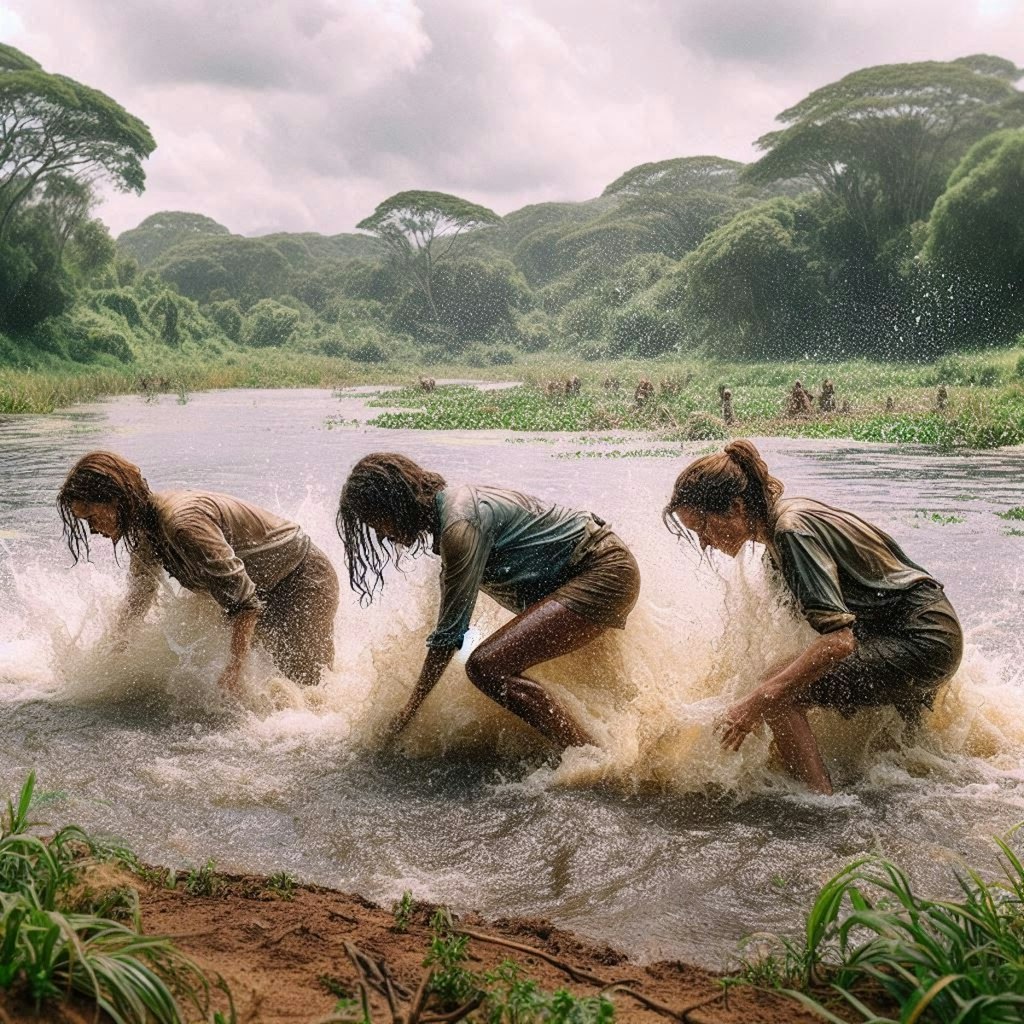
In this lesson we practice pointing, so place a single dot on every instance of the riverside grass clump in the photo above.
(876, 951)
(61, 941)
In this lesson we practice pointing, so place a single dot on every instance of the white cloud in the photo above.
(304, 114)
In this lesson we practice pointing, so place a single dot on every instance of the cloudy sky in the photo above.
(302, 115)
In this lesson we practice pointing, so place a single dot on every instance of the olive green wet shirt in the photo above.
(840, 568)
(219, 545)
(514, 548)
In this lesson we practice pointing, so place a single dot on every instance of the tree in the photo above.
(161, 231)
(754, 286)
(246, 269)
(975, 236)
(420, 230)
(270, 323)
(53, 126)
(882, 141)
(683, 199)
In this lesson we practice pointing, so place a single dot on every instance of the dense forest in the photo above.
(883, 218)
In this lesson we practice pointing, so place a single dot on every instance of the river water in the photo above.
(658, 842)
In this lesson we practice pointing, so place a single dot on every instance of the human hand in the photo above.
(740, 720)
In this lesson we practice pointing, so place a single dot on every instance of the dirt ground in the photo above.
(282, 955)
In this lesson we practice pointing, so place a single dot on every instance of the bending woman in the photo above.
(887, 634)
(272, 582)
(564, 573)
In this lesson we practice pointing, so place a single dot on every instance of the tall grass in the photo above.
(876, 949)
(51, 949)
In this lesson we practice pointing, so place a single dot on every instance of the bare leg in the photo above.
(544, 631)
(798, 747)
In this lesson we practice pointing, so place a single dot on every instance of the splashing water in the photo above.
(655, 827)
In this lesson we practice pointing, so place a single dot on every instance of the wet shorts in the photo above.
(903, 664)
(604, 585)
(297, 622)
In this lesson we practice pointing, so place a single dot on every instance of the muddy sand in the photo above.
(282, 955)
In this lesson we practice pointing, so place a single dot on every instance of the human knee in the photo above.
(484, 673)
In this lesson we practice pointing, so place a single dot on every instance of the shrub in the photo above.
(369, 351)
(270, 324)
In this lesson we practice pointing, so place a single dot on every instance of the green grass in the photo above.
(58, 939)
(875, 950)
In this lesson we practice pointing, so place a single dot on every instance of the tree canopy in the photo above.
(420, 230)
(150, 239)
(883, 140)
(51, 125)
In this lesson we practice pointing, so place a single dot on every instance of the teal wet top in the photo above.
(840, 568)
(514, 548)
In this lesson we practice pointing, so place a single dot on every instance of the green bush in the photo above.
(369, 351)
(270, 324)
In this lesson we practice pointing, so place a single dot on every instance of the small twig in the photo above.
(687, 1010)
(574, 972)
(463, 1011)
(275, 939)
(420, 999)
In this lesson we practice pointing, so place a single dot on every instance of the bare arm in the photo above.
(434, 664)
(786, 686)
(142, 587)
(243, 625)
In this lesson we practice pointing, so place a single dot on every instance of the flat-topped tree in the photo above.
(683, 199)
(420, 230)
(51, 125)
(882, 141)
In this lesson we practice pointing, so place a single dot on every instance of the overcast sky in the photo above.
(302, 115)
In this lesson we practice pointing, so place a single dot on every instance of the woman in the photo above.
(272, 582)
(564, 573)
(887, 634)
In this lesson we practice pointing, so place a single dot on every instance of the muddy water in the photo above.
(658, 841)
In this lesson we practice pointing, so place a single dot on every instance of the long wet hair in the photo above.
(102, 478)
(712, 484)
(393, 486)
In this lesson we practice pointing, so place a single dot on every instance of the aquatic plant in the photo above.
(1012, 513)
(51, 951)
(939, 518)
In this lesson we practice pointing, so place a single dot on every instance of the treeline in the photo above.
(885, 217)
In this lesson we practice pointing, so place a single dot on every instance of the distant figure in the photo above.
(941, 398)
(573, 386)
(427, 384)
(644, 392)
(890, 405)
(564, 573)
(827, 399)
(725, 396)
(612, 385)
(272, 582)
(799, 402)
(846, 408)
(887, 635)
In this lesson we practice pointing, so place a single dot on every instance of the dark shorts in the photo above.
(297, 623)
(903, 664)
(604, 585)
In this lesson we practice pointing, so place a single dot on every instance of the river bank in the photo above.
(289, 953)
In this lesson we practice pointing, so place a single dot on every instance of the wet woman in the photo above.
(886, 633)
(271, 581)
(564, 573)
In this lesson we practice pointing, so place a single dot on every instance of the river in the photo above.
(658, 842)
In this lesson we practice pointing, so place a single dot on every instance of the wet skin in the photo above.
(101, 518)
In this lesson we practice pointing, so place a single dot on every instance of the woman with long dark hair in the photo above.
(887, 633)
(564, 573)
(272, 582)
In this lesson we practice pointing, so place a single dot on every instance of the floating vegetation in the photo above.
(940, 518)
(632, 453)
(1013, 513)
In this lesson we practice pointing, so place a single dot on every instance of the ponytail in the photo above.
(712, 484)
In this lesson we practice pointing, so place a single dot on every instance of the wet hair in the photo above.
(102, 478)
(392, 486)
(712, 484)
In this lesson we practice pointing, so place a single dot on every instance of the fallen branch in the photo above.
(463, 1011)
(574, 972)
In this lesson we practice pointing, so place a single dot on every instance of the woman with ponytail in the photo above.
(272, 582)
(564, 573)
(887, 633)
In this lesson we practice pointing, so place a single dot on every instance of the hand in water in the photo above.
(743, 718)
